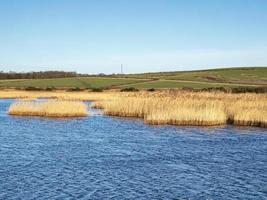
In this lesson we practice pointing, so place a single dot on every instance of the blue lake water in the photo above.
(101, 157)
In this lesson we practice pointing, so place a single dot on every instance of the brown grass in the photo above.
(188, 108)
(250, 113)
(49, 108)
(170, 107)
(159, 110)
(62, 95)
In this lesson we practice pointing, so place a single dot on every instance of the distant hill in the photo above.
(242, 75)
(226, 77)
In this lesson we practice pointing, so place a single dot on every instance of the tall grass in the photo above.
(201, 112)
(60, 95)
(188, 108)
(170, 107)
(250, 113)
(49, 108)
(168, 111)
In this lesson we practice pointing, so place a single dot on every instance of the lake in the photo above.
(102, 157)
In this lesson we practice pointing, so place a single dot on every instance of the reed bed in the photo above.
(201, 114)
(52, 108)
(168, 111)
(61, 95)
(250, 113)
(170, 107)
(188, 108)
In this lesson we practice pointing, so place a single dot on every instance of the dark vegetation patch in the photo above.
(37, 75)
(129, 89)
(75, 89)
(249, 89)
(31, 88)
(229, 90)
(97, 90)
(50, 89)
(151, 90)
(213, 78)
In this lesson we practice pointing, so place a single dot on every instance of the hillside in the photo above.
(226, 77)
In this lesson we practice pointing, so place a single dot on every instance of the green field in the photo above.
(180, 84)
(231, 77)
(250, 75)
(82, 82)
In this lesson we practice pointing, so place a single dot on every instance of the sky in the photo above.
(97, 36)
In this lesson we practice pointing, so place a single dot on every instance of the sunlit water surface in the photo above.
(101, 157)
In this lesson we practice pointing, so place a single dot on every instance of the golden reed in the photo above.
(188, 108)
(51, 108)
(170, 107)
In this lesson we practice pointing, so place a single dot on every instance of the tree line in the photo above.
(37, 75)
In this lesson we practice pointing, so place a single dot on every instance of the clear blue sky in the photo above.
(96, 36)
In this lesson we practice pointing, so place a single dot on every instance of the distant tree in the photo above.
(37, 75)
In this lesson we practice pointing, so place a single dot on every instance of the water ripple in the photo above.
(102, 157)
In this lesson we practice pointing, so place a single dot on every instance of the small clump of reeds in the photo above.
(50, 108)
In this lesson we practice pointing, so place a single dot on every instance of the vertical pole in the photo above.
(121, 68)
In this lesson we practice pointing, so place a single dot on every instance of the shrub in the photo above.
(261, 90)
(249, 89)
(75, 89)
(50, 88)
(188, 89)
(130, 89)
(97, 90)
(213, 89)
(151, 90)
(31, 88)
